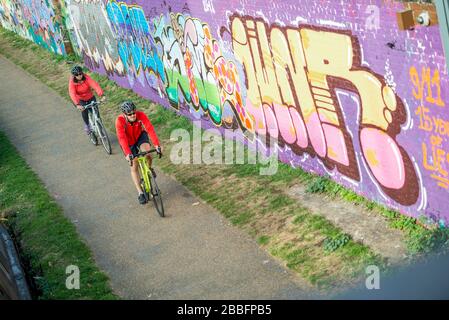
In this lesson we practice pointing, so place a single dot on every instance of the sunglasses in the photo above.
(78, 74)
(130, 114)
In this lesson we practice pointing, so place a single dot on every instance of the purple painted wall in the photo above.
(341, 88)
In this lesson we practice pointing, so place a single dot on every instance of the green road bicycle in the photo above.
(97, 127)
(148, 181)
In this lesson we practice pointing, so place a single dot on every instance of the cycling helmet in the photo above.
(76, 70)
(128, 107)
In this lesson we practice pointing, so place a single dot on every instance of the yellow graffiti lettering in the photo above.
(263, 63)
(425, 121)
(414, 76)
(426, 83)
(436, 82)
(324, 61)
(242, 52)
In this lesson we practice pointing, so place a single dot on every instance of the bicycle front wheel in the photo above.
(104, 137)
(157, 196)
(92, 136)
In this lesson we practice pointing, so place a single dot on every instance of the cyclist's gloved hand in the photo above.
(79, 107)
(103, 98)
(129, 158)
(159, 151)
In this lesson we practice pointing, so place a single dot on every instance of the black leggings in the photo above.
(85, 113)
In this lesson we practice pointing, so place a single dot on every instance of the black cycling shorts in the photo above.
(143, 138)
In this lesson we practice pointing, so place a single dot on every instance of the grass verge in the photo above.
(48, 241)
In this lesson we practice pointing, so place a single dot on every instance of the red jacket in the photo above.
(83, 91)
(129, 132)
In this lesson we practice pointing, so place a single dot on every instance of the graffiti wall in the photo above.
(341, 89)
(34, 20)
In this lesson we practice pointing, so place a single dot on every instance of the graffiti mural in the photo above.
(296, 94)
(136, 46)
(68, 26)
(194, 63)
(94, 34)
(11, 17)
(341, 89)
(34, 20)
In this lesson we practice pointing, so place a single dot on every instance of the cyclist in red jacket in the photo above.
(133, 128)
(80, 90)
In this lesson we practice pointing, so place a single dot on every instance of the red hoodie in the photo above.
(83, 91)
(129, 132)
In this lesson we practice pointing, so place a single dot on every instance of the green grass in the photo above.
(49, 241)
(263, 240)
(280, 201)
(234, 195)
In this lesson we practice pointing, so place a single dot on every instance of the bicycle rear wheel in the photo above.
(157, 196)
(104, 137)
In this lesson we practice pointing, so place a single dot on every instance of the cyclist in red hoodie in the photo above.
(80, 90)
(133, 128)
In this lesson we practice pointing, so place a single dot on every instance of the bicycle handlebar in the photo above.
(140, 154)
(90, 105)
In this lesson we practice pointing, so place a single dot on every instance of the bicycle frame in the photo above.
(144, 172)
(144, 169)
(95, 114)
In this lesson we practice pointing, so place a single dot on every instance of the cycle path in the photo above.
(193, 253)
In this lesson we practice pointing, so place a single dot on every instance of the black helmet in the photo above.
(77, 70)
(128, 107)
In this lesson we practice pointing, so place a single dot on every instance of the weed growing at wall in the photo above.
(318, 185)
(332, 244)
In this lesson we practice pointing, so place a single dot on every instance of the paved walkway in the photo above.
(193, 253)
